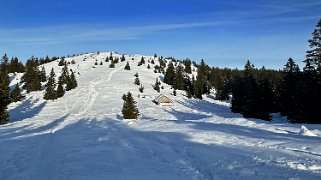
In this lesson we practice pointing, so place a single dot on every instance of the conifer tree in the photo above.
(179, 82)
(148, 66)
(62, 62)
(129, 110)
(122, 59)
(188, 68)
(169, 76)
(72, 83)
(142, 61)
(60, 90)
(127, 67)
(200, 86)
(64, 76)
(156, 86)
(32, 76)
(107, 59)
(15, 94)
(111, 56)
(312, 78)
(141, 88)
(4, 90)
(137, 81)
(174, 92)
(101, 63)
(112, 64)
(51, 92)
(43, 74)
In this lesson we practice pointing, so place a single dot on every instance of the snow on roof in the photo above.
(162, 99)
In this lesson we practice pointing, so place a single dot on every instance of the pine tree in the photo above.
(222, 92)
(64, 76)
(129, 110)
(188, 68)
(72, 83)
(148, 66)
(43, 74)
(111, 56)
(107, 60)
(142, 60)
(174, 92)
(15, 94)
(179, 82)
(62, 62)
(156, 86)
(60, 90)
(200, 87)
(51, 92)
(169, 77)
(141, 88)
(122, 59)
(127, 67)
(4, 90)
(137, 81)
(112, 64)
(31, 77)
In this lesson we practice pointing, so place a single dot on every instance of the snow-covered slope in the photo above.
(82, 135)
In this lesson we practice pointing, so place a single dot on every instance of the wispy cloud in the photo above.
(76, 33)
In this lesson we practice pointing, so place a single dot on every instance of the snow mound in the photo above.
(306, 132)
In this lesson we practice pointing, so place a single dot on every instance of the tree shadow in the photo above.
(111, 149)
(25, 110)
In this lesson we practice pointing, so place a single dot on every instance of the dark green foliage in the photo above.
(122, 59)
(148, 66)
(15, 94)
(112, 64)
(188, 68)
(62, 62)
(142, 60)
(251, 97)
(169, 77)
(174, 92)
(4, 89)
(179, 82)
(32, 76)
(127, 67)
(152, 61)
(136, 75)
(73, 61)
(96, 63)
(64, 76)
(43, 74)
(51, 92)
(222, 90)
(101, 63)
(155, 55)
(107, 60)
(111, 56)
(141, 88)
(72, 83)
(60, 90)
(116, 60)
(129, 110)
(16, 66)
(156, 86)
(201, 86)
(137, 81)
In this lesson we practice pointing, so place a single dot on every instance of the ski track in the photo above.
(52, 165)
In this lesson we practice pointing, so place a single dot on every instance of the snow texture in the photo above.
(83, 136)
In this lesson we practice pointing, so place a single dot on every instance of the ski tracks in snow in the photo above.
(49, 163)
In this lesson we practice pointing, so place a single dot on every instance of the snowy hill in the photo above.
(83, 136)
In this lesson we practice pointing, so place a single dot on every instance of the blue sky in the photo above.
(224, 33)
